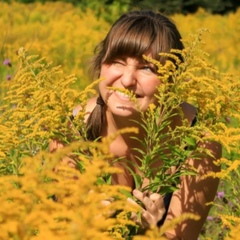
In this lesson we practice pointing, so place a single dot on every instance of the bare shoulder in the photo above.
(89, 107)
(189, 111)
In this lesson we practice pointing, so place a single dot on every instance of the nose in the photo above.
(129, 77)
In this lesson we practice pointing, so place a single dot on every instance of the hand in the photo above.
(153, 210)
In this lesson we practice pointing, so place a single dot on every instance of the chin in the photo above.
(124, 111)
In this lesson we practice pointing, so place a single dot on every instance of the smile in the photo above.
(126, 96)
(122, 94)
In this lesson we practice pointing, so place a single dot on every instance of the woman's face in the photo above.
(137, 76)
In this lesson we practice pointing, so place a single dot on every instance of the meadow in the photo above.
(45, 54)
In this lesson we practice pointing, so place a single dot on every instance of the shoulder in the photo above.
(88, 109)
(91, 104)
(189, 111)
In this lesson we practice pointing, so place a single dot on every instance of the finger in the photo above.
(131, 201)
(152, 218)
(155, 207)
(138, 194)
(149, 204)
(156, 210)
(148, 220)
(139, 220)
(134, 217)
(146, 216)
(153, 203)
(158, 200)
(142, 196)
(154, 196)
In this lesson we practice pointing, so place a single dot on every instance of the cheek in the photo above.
(103, 84)
(151, 87)
(107, 76)
(103, 71)
(102, 87)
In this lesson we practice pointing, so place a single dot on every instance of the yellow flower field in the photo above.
(45, 53)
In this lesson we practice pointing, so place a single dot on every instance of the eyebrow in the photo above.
(144, 61)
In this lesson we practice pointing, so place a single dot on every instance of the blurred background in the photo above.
(66, 32)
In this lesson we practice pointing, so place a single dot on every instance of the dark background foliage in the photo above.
(189, 6)
(165, 6)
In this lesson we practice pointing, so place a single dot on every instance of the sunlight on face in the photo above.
(128, 75)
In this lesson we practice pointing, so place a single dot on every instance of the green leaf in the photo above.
(190, 141)
(137, 180)
(126, 193)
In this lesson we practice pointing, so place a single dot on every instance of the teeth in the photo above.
(123, 94)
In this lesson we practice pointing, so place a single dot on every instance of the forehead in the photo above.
(131, 41)
(129, 49)
(138, 59)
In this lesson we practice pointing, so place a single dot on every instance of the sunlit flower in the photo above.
(7, 62)
(220, 194)
(228, 119)
(8, 77)
(209, 218)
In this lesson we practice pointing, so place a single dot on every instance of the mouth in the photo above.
(127, 95)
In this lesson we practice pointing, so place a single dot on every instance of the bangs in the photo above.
(135, 34)
(134, 39)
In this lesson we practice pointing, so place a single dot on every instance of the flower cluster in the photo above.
(41, 198)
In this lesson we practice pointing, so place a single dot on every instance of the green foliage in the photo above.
(186, 7)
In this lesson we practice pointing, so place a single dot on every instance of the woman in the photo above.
(119, 61)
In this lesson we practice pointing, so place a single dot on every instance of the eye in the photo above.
(118, 62)
(148, 68)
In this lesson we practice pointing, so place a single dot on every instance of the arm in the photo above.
(193, 195)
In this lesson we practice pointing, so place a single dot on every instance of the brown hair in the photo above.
(132, 35)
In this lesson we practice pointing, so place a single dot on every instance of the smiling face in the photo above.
(132, 74)
(120, 63)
